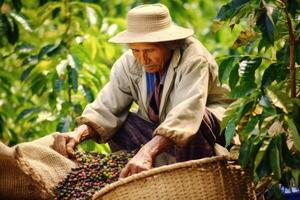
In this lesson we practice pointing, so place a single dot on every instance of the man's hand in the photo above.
(144, 158)
(64, 143)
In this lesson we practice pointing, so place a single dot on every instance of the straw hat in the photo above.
(150, 23)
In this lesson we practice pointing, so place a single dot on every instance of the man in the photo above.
(172, 78)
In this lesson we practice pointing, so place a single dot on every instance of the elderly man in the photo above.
(173, 79)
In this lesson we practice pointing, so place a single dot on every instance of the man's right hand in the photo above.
(64, 143)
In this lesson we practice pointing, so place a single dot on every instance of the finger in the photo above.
(59, 144)
(71, 145)
(125, 172)
(139, 168)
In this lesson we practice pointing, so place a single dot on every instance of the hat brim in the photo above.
(174, 32)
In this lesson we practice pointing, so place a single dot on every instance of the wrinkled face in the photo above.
(153, 56)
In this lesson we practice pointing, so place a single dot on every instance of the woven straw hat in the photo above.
(150, 23)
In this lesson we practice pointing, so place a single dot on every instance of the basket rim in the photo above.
(157, 170)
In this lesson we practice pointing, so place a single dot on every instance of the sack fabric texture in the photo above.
(32, 170)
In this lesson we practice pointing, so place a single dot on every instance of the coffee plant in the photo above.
(263, 74)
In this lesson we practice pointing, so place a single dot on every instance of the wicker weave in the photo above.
(208, 179)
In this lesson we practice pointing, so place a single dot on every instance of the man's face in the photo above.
(153, 56)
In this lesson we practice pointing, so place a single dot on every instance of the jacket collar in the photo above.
(175, 59)
(139, 76)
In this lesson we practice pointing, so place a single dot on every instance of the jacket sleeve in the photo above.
(190, 96)
(110, 108)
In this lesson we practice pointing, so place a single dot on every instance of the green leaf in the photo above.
(73, 78)
(244, 90)
(88, 93)
(237, 109)
(81, 53)
(216, 26)
(32, 60)
(12, 32)
(95, 7)
(261, 153)
(263, 44)
(266, 25)
(57, 83)
(24, 48)
(17, 5)
(88, 145)
(74, 62)
(294, 132)
(1, 2)
(283, 55)
(278, 99)
(244, 153)
(264, 168)
(291, 160)
(276, 71)
(249, 150)
(247, 81)
(231, 9)
(274, 159)
(234, 76)
(3, 24)
(26, 112)
(292, 7)
(21, 19)
(244, 38)
(38, 84)
(77, 109)
(56, 12)
(52, 99)
(249, 127)
(229, 132)
(49, 50)
(103, 148)
(46, 10)
(26, 72)
(298, 52)
(251, 65)
(63, 125)
(225, 69)
(296, 176)
(298, 27)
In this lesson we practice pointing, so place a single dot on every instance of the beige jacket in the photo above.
(191, 84)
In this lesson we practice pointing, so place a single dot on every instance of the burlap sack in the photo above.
(32, 170)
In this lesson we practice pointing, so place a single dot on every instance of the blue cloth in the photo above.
(151, 78)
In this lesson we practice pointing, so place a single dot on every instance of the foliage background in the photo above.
(55, 57)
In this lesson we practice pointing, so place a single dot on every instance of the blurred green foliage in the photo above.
(55, 57)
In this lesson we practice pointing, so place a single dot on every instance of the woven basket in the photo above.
(208, 179)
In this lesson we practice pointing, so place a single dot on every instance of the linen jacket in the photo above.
(191, 85)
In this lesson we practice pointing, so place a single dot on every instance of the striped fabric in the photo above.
(154, 90)
(136, 132)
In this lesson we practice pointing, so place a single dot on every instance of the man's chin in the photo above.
(151, 70)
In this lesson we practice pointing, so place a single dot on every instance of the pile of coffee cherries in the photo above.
(94, 172)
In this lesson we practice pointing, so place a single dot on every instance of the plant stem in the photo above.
(69, 85)
(292, 44)
(68, 16)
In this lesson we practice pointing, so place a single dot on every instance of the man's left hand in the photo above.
(140, 162)
(143, 160)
